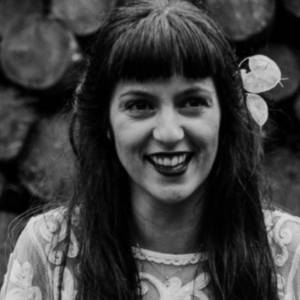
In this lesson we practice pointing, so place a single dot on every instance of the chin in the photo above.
(175, 197)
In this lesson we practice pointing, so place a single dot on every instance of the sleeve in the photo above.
(286, 253)
(35, 265)
(26, 274)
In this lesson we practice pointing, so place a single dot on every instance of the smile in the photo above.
(170, 163)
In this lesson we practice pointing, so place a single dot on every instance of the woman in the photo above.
(169, 188)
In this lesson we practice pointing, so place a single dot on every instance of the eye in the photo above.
(193, 106)
(140, 109)
(139, 105)
(194, 103)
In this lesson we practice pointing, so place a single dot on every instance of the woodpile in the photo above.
(243, 19)
(292, 6)
(11, 10)
(41, 49)
(36, 51)
(83, 16)
(47, 164)
(288, 60)
(41, 44)
(17, 116)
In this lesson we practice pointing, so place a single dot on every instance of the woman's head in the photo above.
(150, 40)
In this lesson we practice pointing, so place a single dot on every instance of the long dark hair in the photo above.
(150, 39)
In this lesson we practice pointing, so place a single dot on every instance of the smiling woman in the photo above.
(166, 133)
(170, 189)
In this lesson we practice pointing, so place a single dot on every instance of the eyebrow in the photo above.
(136, 93)
(195, 90)
(187, 92)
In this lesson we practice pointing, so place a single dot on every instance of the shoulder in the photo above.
(47, 232)
(35, 264)
(283, 231)
(51, 230)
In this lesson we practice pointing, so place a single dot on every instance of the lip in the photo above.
(161, 161)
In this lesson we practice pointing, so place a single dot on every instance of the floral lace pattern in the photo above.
(54, 230)
(175, 290)
(68, 288)
(21, 276)
(33, 270)
(280, 286)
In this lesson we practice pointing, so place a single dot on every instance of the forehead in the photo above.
(176, 84)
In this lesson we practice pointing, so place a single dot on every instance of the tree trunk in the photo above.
(37, 52)
(242, 19)
(16, 119)
(292, 6)
(82, 16)
(47, 165)
(15, 9)
(288, 61)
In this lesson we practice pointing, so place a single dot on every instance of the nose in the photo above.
(168, 129)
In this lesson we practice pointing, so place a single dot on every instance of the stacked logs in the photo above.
(242, 20)
(41, 45)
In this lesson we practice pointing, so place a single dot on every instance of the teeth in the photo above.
(174, 161)
(167, 162)
(181, 158)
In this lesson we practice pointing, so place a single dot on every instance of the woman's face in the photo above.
(166, 134)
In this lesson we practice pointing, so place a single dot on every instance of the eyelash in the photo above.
(144, 109)
(201, 102)
(132, 106)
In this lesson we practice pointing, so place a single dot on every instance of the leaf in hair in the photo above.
(263, 75)
(258, 108)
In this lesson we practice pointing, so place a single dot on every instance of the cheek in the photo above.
(129, 155)
(128, 141)
(205, 134)
(208, 144)
(122, 145)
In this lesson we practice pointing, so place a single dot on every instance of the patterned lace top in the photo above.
(33, 268)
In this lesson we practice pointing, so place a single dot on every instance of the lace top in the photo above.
(33, 268)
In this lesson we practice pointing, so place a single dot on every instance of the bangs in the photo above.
(163, 44)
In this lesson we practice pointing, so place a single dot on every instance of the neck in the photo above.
(167, 228)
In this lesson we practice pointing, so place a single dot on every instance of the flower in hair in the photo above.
(260, 75)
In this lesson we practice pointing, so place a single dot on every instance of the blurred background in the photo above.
(42, 43)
